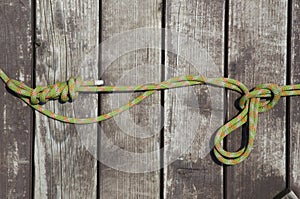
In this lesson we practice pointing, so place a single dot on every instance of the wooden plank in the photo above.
(117, 179)
(67, 31)
(257, 54)
(15, 117)
(295, 101)
(290, 195)
(191, 110)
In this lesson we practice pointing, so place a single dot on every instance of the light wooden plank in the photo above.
(124, 131)
(290, 195)
(194, 174)
(15, 116)
(257, 54)
(67, 31)
(295, 101)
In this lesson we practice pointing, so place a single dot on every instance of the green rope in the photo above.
(250, 103)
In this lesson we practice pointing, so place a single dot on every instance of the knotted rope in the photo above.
(260, 99)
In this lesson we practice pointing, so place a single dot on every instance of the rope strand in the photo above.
(251, 103)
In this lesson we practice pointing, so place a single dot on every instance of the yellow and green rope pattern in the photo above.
(260, 99)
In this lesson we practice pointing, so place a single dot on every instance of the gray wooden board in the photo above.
(194, 45)
(128, 133)
(15, 117)
(66, 31)
(257, 54)
(295, 101)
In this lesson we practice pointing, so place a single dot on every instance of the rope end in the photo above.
(3, 76)
(99, 82)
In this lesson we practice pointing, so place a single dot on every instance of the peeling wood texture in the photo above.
(257, 54)
(15, 117)
(295, 101)
(195, 46)
(66, 32)
(138, 130)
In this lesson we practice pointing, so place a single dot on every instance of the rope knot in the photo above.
(64, 91)
(271, 93)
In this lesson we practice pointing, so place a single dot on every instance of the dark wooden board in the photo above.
(295, 101)
(257, 54)
(194, 44)
(66, 31)
(130, 68)
(15, 117)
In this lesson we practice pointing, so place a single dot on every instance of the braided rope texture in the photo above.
(258, 100)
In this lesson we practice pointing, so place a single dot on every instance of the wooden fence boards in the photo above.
(189, 110)
(246, 40)
(15, 117)
(257, 54)
(295, 102)
(131, 68)
(66, 31)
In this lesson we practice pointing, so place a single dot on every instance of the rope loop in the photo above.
(251, 104)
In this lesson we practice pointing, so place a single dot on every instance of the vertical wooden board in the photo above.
(257, 54)
(124, 131)
(290, 195)
(295, 101)
(190, 110)
(66, 31)
(15, 116)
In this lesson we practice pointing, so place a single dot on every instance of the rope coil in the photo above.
(260, 99)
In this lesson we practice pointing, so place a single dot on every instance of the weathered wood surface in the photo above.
(190, 111)
(295, 101)
(65, 158)
(257, 54)
(15, 117)
(124, 131)
(66, 32)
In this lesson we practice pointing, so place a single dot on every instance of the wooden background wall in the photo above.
(254, 41)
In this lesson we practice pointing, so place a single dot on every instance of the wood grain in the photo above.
(124, 131)
(66, 31)
(195, 46)
(15, 117)
(290, 195)
(257, 54)
(295, 101)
